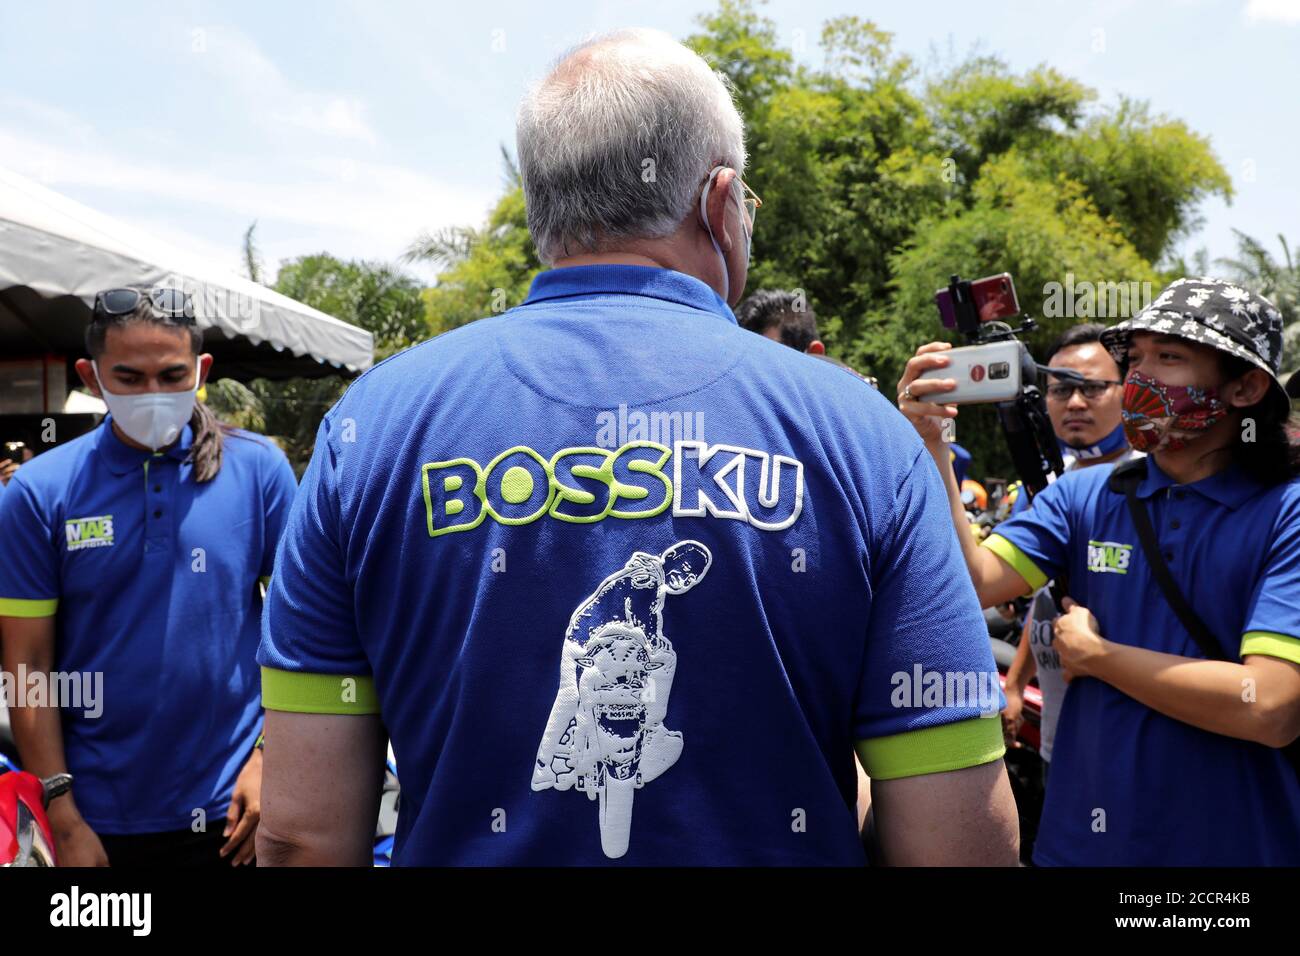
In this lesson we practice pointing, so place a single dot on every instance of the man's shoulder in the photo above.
(463, 346)
(1283, 499)
(51, 470)
(260, 449)
(1077, 490)
(844, 404)
(1086, 482)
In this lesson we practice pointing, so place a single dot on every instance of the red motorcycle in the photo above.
(25, 838)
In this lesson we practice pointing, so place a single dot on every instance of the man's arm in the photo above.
(956, 818)
(996, 582)
(323, 759)
(1256, 700)
(322, 778)
(28, 643)
(1023, 667)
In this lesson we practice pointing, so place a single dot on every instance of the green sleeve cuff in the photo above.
(21, 607)
(1018, 560)
(1268, 644)
(956, 746)
(300, 693)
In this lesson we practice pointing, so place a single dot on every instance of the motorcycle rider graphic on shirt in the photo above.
(606, 733)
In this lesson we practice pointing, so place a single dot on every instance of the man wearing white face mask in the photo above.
(142, 545)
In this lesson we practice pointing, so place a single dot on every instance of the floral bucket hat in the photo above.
(1212, 312)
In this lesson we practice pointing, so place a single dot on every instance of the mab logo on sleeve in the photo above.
(96, 532)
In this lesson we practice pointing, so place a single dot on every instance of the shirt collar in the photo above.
(1230, 487)
(648, 281)
(121, 458)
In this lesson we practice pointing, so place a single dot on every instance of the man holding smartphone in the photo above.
(1166, 754)
(1084, 401)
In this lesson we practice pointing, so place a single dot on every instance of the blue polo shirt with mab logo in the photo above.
(1130, 786)
(153, 582)
(629, 583)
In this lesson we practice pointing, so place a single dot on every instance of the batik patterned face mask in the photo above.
(1160, 417)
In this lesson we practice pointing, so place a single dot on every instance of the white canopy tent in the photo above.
(55, 255)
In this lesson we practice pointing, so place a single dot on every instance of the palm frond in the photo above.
(445, 247)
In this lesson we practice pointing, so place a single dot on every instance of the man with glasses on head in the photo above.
(142, 547)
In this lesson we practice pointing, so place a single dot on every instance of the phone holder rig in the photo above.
(1025, 423)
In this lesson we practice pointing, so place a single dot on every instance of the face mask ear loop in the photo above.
(704, 198)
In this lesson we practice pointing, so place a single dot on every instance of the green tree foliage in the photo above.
(1277, 281)
(878, 184)
(375, 296)
(1148, 173)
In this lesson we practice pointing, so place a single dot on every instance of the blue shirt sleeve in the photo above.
(1275, 603)
(279, 488)
(308, 623)
(925, 620)
(1040, 535)
(29, 553)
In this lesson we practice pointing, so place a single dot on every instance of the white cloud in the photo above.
(269, 96)
(1275, 11)
(337, 117)
(366, 208)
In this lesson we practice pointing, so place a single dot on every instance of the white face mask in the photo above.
(704, 215)
(154, 419)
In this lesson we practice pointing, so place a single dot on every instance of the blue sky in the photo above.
(348, 127)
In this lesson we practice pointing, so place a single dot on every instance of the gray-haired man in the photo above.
(691, 632)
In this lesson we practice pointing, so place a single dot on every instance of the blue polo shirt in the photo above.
(628, 583)
(153, 583)
(1130, 786)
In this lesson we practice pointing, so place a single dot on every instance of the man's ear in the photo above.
(86, 372)
(715, 207)
(205, 369)
(1248, 390)
(816, 347)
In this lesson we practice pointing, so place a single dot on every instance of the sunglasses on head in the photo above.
(170, 303)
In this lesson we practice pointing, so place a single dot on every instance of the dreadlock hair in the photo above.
(1274, 455)
(209, 432)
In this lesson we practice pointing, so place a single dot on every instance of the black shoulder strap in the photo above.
(1125, 479)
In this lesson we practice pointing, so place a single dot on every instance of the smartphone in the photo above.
(984, 373)
(12, 451)
(994, 298)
